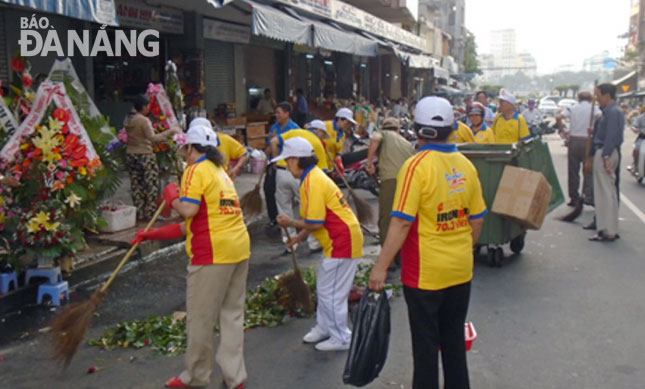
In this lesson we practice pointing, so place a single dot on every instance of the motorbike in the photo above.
(638, 172)
(353, 165)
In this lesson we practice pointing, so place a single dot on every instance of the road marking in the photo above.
(633, 207)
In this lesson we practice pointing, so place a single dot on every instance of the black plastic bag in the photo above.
(370, 340)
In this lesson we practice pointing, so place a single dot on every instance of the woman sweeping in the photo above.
(219, 247)
(141, 160)
(327, 215)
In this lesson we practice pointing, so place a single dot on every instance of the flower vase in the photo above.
(66, 264)
(45, 262)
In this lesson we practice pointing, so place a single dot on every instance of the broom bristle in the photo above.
(251, 202)
(299, 293)
(364, 210)
(573, 215)
(69, 327)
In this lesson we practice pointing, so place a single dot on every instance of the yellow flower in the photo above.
(47, 140)
(24, 146)
(82, 170)
(2, 218)
(30, 96)
(162, 117)
(55, 125)
(52, 226)
(72, 200)
(1, 201)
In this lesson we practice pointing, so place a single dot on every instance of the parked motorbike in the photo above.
(353, 165)
(638, 172)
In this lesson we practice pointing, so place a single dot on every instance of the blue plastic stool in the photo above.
(54, 291)
(5, 281)
(54, 275)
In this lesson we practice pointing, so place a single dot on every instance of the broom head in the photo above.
(251, 202)
(573, 215)
(69, 327)
(364, 210)
(298, 294)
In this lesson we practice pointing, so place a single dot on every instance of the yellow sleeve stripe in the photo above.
(407, 182)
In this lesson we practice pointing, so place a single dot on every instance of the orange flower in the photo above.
(59, 185)
(70, 180)
(39, 152)
(79, 162)
(163, 147)
(26, 163)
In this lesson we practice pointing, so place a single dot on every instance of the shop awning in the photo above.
(97, 11)
(418, 61)
(623, 79)
(448, 91)
(440, 72)
(273, 23)
(335, 38)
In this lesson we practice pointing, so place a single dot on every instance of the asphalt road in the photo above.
(565, 313)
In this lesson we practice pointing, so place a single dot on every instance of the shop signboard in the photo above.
(139, 15)
(318, 7)
(228, 32)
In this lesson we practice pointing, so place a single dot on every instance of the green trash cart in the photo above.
(490, 160)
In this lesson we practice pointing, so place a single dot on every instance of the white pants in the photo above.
(334, 282)
(287, 197)
(605, 194)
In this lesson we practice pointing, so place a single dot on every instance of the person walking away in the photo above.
(267, 104)
(287, 187)
(141, 161)
(638, 126)
(302, 109)
(338, 129)
(509, 126)
(283, 123)
(461, 133)
(392, 150)
(481, 132)
(489, 116)
(576, 139)
(231, 149)
(325, 214)
(533, 118)
(219, 247)
(436, 220)
(608, 138)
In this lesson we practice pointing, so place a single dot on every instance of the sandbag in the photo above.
(370, 340)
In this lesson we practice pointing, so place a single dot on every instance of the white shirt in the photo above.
(532, 116)
(579, 115)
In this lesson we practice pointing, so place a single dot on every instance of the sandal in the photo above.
(600, 237)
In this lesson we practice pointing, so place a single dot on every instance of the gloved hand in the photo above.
(171, 231)
(339, 164)
(171, 193)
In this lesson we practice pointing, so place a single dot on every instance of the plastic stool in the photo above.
(54, 291)
(54, 275)
(5, 281)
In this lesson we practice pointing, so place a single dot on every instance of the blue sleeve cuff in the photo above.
(403, 216)
(527, 137)
(311, 221)
(190, 200)
(479, 215)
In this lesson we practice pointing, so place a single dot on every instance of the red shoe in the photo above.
(175, 382)
(240, 386)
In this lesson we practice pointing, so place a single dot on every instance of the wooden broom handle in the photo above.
(134, 247)
(296, 269)
(342, 176)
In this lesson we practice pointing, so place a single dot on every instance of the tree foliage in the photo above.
(471, 61)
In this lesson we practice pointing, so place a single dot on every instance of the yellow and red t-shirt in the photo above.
(438, 190)
(322, 202)
(230, 148)
(336, 139)
(461, 134)
(510, 130)
(312, 138)
(217, 233)
(485, 135)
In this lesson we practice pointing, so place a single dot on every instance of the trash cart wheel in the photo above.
(499, 256)
(494, 257)
(517, 244)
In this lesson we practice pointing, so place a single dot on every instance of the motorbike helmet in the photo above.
(477, 108)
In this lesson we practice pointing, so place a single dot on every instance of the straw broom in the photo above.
(69, 327)
(363, 208)
(251, 202)
(573, 215)
(299, 294)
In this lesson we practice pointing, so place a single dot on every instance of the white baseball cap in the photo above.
(346, 113)
(317, 125)
(295, 147)
(200, 122)
(508, 97)
(434, 111)
(200, 135)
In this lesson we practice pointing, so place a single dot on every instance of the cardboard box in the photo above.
(256, 129)
(259, 142)
(238, 121)
(523, 196)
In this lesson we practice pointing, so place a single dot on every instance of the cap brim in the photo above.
(352, 120)
(279, 158)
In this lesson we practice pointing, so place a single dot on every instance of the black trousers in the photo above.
(437, 320)
(269, 193)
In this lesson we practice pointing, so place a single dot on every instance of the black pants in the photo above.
(437, 320)
(269, 193)
(301, 119)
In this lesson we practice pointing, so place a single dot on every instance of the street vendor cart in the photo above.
(490, 160)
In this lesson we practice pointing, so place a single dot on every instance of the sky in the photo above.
(556, 32)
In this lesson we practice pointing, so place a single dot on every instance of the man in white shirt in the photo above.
(533, 116)
(579, 116)
(489, 116)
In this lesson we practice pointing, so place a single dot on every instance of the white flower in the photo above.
(72, 200)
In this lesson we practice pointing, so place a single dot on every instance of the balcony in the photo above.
(404, 12)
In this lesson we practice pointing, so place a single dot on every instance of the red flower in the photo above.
(61, 115)
(18, 64)
(156, 110)
(27, 81)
